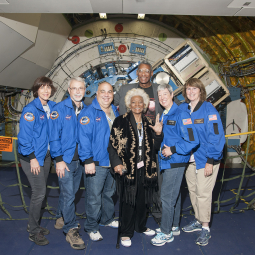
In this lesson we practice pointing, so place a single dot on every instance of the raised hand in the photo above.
(158, 125)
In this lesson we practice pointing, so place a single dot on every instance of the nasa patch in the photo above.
(54, 115)
(84, 120)
(68, 117)
(42, 116)
(98, 119)
(29, 116)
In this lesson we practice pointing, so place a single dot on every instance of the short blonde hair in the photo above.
(137, 92)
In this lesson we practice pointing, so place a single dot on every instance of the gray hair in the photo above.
(144, 62)
(137, 92)
(79, 79)
(165, 86)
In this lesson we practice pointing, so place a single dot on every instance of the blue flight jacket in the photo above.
(180, 135)
(210, 131)
(94, 134)
(63, 130)
(33, 137)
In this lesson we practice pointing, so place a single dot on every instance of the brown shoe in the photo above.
(59, 223)
(73, 237)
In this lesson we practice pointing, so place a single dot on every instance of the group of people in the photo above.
(142, 150)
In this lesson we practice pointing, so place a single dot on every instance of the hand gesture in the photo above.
(158, 125)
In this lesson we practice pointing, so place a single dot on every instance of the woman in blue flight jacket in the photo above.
(34, 155)
(204, 163)
(179, 139)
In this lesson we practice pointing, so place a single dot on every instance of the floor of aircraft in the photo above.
(232, 233)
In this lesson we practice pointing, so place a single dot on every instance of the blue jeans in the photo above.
(171, 198)
(69, 185)
(100, 188)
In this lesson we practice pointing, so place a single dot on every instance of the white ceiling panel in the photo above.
(11, 40)
(21, 74)
(106, 6)
(47, 6)
(52, 34)
(180, 7)
(242, 3)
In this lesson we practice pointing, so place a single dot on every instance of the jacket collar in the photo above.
(97, 106)
(38, 104)
(172, 109)
(69, 103)
(197, 106)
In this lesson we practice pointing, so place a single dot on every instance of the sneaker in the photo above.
(192, 226)
(175, 230)
(158, 230)
(95, 236)
(113, 224)
(204, 237)
(44, 231)
(59, 224)
(149, 232)
(161, 238)
(73, 237)
(38, 239)
(126, 243)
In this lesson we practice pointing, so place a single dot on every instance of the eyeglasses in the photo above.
(76, 89)
(144, 71)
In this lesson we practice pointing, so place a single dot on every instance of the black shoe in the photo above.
(38, 239)
(44, 231)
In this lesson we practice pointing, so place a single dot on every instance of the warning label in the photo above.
(6, 144)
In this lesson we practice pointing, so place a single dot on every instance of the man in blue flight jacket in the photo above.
(64, 149)
(94, 126)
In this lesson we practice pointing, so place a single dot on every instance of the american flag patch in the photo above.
(187, 121)
(213, 117)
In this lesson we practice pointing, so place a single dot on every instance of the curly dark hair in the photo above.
(194, 82)
(42, 81)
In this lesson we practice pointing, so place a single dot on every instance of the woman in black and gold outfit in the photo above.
(133, 146)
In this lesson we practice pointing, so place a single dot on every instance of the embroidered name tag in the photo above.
(198, 121)
(171, 122)
(213, 117)
(187, 121)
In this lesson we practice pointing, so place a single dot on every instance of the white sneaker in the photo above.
(158, 230)
(95, 236)
(126, 243)
(113, 224)
(149, 232)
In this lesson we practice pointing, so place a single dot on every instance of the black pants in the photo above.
(134, 217)
(38, 188)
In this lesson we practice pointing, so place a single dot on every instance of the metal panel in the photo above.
(106, 6)
(21, 74)
(12, 44)
(52, 34)
(47, 6)
(181, 7)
